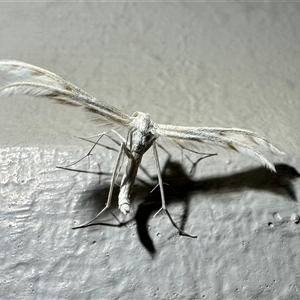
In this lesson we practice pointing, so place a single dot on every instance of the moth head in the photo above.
(142, 122)
(143, 130)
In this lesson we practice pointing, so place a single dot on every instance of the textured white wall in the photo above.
(201, 64)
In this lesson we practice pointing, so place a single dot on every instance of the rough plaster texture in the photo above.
(202, 64)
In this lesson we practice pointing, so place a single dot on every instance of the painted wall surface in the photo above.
(186, 63)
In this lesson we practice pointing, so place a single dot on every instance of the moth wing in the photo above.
(243, 141)
(26, 79)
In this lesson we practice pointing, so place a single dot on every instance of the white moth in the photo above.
(26, 79)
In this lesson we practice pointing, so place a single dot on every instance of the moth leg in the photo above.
(194, 164)
(205, 155)
(88, 139)
(112, 183)
(102, 145)
(153, 178)
(163, 201)
(97, 143)
(84, 171)
(114, 140)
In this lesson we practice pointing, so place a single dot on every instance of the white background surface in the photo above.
(201, 64)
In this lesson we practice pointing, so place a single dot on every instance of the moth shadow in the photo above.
(180, 186)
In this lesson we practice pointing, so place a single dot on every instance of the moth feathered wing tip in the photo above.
(5, 62)
(6, 91)
(8, 65)
(25, 88)
(276, 151)
(269, 166)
